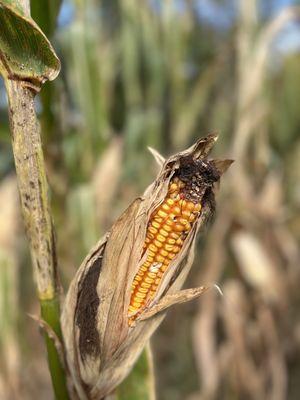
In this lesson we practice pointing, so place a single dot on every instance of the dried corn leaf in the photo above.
(257, 266)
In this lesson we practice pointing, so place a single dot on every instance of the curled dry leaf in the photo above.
(106, 179)
(257, 266)
(123, 288)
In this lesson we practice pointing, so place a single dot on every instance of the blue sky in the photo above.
(221, 15)
(212, 11)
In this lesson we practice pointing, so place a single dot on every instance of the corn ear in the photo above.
(102, 342)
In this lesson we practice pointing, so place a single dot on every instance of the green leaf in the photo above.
(139, 385)
(25, 52)
(16, 4)
(45, 13)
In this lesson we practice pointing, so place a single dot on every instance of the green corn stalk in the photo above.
(27, 60)
(139, 385)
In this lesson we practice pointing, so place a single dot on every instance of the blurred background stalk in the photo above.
(10, 360)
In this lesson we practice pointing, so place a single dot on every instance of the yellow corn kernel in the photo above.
(171, 241)
(178, 228)
(163, 233)
(161, 238)
(152, 248)
(156, 224)
(145, 285)
(168, 247)
(162, 214)
(167, 228)
(182, 221)
(179, 242)
(173, 187)
(163, 252)
(159, 258)
(165, 207)
(148, 280)
(192, 217)
(157, 243)
(151, 253)
(190, 206)
(170, 202)
(174, 235)
(152, 230)
(138, 297)
(197, 207)
(143, 290)
(187, 226)
(170, 220)
(136, 305)
(186, 214)
(176, 210)
(171, 255)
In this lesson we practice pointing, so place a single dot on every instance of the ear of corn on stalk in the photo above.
(122, 289)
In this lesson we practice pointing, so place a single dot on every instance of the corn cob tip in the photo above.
(169, 226)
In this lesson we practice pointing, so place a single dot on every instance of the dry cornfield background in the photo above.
(162, 75)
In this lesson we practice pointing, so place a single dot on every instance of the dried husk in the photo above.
(101, 348)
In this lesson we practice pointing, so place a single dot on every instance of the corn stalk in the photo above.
(26, 61)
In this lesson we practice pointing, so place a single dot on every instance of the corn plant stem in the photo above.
(33, 189)
(140, 384)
